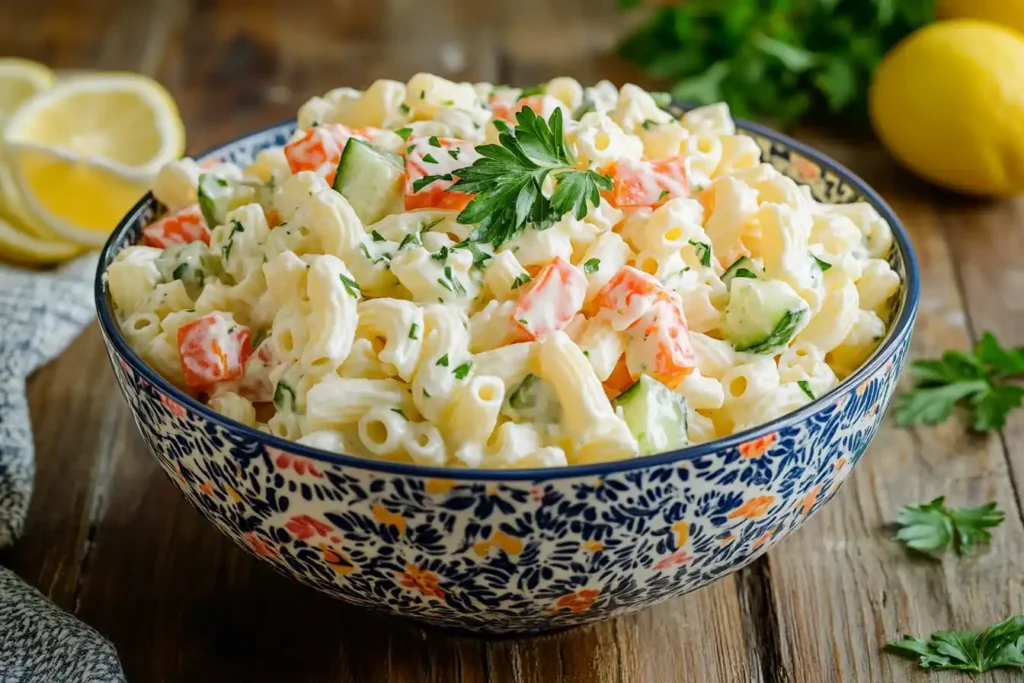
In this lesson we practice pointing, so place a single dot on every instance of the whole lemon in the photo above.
(948, 102)
(1009, 13)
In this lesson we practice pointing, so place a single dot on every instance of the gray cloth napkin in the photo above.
(40, 314)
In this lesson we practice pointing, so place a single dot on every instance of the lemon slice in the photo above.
(20, 79)
(23, 248)
(83, 152)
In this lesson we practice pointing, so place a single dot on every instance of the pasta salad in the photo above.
(478, 276)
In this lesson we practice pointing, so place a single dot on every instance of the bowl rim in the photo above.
(894, 335)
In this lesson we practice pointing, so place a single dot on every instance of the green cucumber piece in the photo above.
(219, 195)
(533, 401)
(744, 266)
(655, 415)
(371, 179)
(190, 262)
(763, 316)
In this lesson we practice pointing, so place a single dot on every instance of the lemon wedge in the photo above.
(20, 247)
(20, 79)
(83, 152)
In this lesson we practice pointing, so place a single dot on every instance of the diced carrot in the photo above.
(185, 225)
(646, 183)
(659, 345)
(554, 298)
(319, 149)
(431, 166)
(618, 381)
(213, 349)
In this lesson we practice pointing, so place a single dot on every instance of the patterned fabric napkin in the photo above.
(40, 314)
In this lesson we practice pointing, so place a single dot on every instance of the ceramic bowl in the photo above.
(521, 550)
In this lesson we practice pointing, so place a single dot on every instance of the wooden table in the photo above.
(111, 539)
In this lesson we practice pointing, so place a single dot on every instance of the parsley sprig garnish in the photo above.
(999, 646)
(507, 180)
(977, 379)
(932, 527)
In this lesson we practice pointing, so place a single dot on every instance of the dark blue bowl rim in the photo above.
(897, 331)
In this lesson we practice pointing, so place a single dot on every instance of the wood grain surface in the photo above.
(111, 539)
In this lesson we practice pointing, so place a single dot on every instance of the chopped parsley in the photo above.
(463, 370)
(648, 124)
(404, 133)
(400, 412)
(420, 183)
(284, 397)
(351, 286)
(479, 255)
(664, 194)
(591, 266)
(805, 387)
(403, 109)
(451, 283)
(824, 265)
(521, 280)
(703, 252)
(412, 238)
(440, 255)
(413, 331)
(443, 361)
(226, 249)
(433, 141)
(377, 237)
(454, 153)
(429, 158)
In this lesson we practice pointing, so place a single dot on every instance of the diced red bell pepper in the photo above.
(185, 225)
(646, 183)
(555, 297)
(431, 168)
(213, 349)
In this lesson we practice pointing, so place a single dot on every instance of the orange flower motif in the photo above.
(426, 582)
(512, 546)
(387, 517)
(577, 602)
(682, 531)
(676, 559)
(172, 406)
(753, 508)
(301, 465)
(805, 168)
(758, 447)
(259, 546)
(727, 540)
(439, 486)
(839, 463)
(304, 527)
(809, 500)
(592, 546)
(207, 487)
(863, 386)
(764, 539)
(235, 495)
(337, 560)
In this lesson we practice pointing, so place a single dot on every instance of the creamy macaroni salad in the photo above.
(470, 275)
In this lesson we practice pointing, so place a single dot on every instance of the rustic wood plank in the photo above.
(842, 586)
(988, 242)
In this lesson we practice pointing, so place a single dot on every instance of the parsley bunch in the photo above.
(783, 59)
(507, 180)
(933, 527)
(999, 646)
(977, 379)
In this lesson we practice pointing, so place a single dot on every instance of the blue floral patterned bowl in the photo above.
(525, 550)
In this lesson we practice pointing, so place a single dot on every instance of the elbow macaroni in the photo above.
(410, 340)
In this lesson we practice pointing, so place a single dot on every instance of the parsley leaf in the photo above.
(977, 379)
(461, 371)
(591, 266)
(999, 646)
(404, 133)
(443, 361)
(507, 180)
(429, 158)
(933, 527)
(433, 141)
